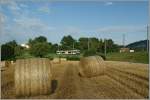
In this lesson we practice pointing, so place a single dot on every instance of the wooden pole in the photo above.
(88, 44)
(105, 47)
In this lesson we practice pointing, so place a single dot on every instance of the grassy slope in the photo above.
(138, 57)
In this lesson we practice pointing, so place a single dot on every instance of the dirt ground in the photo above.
(122, 80)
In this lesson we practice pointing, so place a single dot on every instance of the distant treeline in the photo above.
(40, 47)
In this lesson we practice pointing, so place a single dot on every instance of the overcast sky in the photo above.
(24, 19)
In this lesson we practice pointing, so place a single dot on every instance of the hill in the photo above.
(139, 45)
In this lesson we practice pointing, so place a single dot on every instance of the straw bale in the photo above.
(91, 66)
(32, 77)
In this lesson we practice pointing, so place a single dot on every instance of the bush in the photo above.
(90, 52)
(74, 58)
(93, 53)
(39, 49)
(7, 52)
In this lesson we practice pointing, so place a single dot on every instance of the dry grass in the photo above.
(32, 77)
(121, 81)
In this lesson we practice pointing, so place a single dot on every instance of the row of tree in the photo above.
(39, 46)
(85, 43)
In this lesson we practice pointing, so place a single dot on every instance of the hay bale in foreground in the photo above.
(91, 66)
(4, 65)
(32, 77)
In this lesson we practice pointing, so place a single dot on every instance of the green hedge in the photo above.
(74, 58)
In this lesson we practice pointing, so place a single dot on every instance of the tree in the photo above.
(100, 46)
(40, 39)
(13, 43)
(67, 42)
(94, 43)
(7, 50)
(40, 49)
(36, 40)
(53, 47)
(39, 46)
(109, 44)
(18, 50)
(83, 44)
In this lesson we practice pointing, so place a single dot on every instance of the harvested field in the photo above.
(122, 80)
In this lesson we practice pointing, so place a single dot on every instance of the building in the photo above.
(124, 50)
(25, 46)
(131, 50)
(68, 52)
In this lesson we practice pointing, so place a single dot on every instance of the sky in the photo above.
(24, 19)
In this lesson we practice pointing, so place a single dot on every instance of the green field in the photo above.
(138, 57)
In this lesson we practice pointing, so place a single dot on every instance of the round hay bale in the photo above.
(56, 60)
(91, 66)
(63, 59)
(32, 77)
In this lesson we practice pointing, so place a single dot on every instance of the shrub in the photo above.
(93, 53)
(39, 49)
(90, 52)
(75, 58)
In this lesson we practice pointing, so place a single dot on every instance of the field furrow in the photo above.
(129, 82)
(140, 70)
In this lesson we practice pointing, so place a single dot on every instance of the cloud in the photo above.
(2, 22)
(108, 3)
(22, 25)
(45, 9)
(2, 18)
(12, 5)
(122, 29)
(32, 24)
(26, 27)
(23, 5)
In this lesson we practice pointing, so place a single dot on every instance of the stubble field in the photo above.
(122, 80)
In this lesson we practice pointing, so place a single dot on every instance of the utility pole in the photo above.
(123, 40)
(58, 47)
(73, 45)
(88, 44)
(105, 47)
